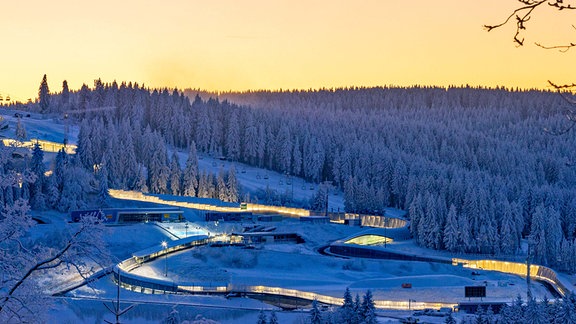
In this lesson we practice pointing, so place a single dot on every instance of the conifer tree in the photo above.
(20, 131)
(451, 230)
(65, 95)
(44, 95)
(60, 163)
(450, 319)
(190, 177)
(175, 175)
(318, 201)
(346, 312)
(357, 309)
(368, 310)
(103, 198)
(221, 188)
(262, 318)
(315, 316)
(250, 143)
(566, 311)
(52, 192)
(141, 182)
(232, 185)
(535, 312)
(37, 198)
(273, 318)
(233, 137)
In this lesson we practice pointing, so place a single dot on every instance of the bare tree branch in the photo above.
(561, 48)
(523, 14)
(82, 245)
(566, 92)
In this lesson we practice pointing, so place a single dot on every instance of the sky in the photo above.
(275, 44)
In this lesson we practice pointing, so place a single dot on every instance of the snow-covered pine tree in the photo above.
(509, 242)
(173, 317)
(60, 164)
(535, 312)
(537, 237)
(52, 192)
(284, 149)
(451, 230)
(233, 137)
(203, 185)
(128, 169)
(232, 185)
(37, 197)
(450, 319)
(250, 142)
(368, 310)
(315, 315)
(190, 177)
(273, 318)
(175, 175)
(203, 130)
(346, 312)
(261, 318)
(103, 197)
(222, 191)
(357, 309)
(565, 311)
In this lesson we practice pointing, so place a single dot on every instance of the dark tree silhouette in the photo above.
(44, 94)
(522, 15)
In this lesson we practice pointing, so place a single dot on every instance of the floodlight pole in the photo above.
(165, 245)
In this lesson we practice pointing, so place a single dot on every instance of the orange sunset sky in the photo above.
(266, 44)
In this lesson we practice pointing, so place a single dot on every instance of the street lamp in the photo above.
(409, 303)
(186, 227)
(165, 245)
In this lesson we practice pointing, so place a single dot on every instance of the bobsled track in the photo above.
(290, 297)
(388, 227)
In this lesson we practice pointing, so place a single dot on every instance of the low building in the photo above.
(268, 237)
(269, 218)
(131, 215)
(226, 216)
(315, 219)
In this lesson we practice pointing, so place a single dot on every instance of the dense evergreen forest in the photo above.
(474, 168)
(477, 169)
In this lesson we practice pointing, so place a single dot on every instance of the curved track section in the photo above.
(537, 272)
(137, 283)
(390, 228)
(363, 220)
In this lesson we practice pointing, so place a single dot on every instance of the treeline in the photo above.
(473, 167)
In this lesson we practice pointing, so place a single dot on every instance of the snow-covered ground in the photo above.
(45, 127)
(282, 265)
(288, 265)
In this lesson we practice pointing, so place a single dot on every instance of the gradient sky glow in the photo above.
(267, 44)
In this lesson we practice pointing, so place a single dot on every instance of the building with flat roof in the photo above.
(131, 215)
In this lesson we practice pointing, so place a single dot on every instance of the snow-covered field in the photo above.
(287, 265)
